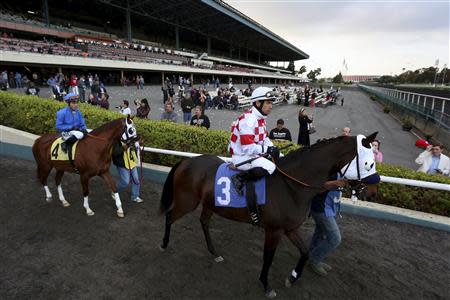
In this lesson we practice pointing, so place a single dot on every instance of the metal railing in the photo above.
(431, 108)
(396, 180)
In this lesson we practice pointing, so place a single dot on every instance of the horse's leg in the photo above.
(43, 172)
(204, 220)
(166, 237)
(58, 178)
(295, 238)
(270, 245)
(109, 180)
(85, 185)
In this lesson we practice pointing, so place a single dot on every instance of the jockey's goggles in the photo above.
(271, 95)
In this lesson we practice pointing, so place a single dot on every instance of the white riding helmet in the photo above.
(263, 93)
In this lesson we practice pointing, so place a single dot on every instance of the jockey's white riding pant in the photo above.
(259, 162)
(67, 134)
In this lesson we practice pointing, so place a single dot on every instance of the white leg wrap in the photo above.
(61, 197)
(60, 193)
(118, 202)
(89, 211)
(47, 192)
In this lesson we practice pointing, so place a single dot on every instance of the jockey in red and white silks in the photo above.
(250, 139)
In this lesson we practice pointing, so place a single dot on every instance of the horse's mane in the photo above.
(106, 126)
(320, 143)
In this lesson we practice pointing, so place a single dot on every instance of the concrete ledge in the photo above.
(17, 143)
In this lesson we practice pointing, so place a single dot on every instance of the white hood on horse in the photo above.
(363, 165)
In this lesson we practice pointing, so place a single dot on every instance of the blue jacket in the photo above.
(66, 120)
(324, 202)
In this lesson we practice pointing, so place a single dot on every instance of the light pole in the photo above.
(435, 74)
(444, 72)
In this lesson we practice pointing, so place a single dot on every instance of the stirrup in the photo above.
(238, 184)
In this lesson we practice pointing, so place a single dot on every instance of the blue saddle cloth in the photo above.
(225, 194)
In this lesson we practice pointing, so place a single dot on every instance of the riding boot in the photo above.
(252, 204)
(68, 143)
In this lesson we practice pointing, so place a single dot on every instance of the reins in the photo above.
(296, 180)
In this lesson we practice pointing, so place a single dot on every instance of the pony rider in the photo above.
(249, 140)
(70, 123)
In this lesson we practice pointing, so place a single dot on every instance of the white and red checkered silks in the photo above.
(249, 139)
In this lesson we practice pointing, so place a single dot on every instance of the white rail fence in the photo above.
(387, 179)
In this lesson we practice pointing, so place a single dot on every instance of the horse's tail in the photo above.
(167, 193)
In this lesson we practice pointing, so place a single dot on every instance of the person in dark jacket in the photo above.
(186, 106)
(303, 133)
(200, 119)
(143, 110)
(280, 132)
(124, 157)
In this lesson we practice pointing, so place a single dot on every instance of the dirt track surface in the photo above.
(51, 252)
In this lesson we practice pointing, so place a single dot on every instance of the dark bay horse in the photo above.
(92, 158)
(288, 202)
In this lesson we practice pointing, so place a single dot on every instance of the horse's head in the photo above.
(361, 171)
(129, 131)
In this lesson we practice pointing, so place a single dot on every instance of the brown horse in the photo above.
(288, 202)
(92, 157)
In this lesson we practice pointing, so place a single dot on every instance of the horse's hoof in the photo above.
(48, 199)
(90, 213)
(161, 248)
(65, 203)
(218, 259)
(271, 294)
(120, 214)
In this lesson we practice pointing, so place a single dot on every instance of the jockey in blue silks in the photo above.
(70, 122)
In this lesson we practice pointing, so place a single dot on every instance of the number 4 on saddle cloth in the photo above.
(225, 194)
(56, 152)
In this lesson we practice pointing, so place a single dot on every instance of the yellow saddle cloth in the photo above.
(56, 152)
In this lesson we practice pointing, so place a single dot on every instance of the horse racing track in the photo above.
(51, 252)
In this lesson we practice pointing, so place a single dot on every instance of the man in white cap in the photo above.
(249, 140)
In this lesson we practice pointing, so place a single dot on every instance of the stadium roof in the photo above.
(218, 20)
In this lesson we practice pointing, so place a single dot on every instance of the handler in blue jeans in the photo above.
(126, 160)
(327, 236)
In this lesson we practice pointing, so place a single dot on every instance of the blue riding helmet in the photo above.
(72, 97)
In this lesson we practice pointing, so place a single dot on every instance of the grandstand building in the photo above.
(359, 78)
(196, 39)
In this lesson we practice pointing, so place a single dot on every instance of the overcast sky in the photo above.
(374, 37)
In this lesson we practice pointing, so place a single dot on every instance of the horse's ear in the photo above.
(366, 141)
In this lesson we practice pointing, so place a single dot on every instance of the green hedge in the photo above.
(37, 115)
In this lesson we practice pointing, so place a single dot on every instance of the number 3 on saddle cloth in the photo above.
(225, 194)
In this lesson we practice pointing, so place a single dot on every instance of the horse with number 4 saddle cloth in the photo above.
(284, 205)
(91, 157)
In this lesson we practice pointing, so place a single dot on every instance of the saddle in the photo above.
(57, 153)
(225, 194)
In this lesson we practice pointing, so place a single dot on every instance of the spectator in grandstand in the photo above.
(376, 147)
(82, 88)
(218, 101)
(234, 102)
(200, 119)
(143, 109)
(104, 101)
(169, 114)
(165, 95)
(280, 132)
(208, 100)
(433, 161)
(186, 106)
(125, 108)
(303, 133)
(217, 82)
(346, 131)
(32, 89)
(141, 82)
(306, 92)
(11, 79)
